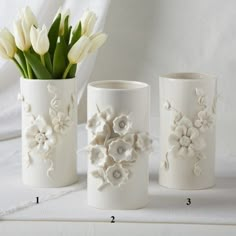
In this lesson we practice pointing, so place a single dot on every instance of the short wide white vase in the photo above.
(49, 137)
(119, 144)
(187, 130)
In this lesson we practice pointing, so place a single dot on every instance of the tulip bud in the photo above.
(79, 50)
(39, 40)
(29, 17)
(7, 44)
(22, 34)
(64, 14)
(88, 22)
(97, 40)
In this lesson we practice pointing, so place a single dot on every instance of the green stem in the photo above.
(67, 71)
(29, 69)
(42, 59)
(19, 66)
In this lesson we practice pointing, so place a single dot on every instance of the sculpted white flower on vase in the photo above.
(205, 121)
(116, 175)
(177, 117)
(122, 124)
(61, 122)
(120, 150)
(98, 155)
(130, 138)
(99, 123)
(143, 142)
(98, 139)
(185, 140)
(40, 137)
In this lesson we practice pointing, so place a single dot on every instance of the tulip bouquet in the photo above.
(50, 54)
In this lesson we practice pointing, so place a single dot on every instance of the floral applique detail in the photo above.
(186, 139)
(114, 147)
(41, 135)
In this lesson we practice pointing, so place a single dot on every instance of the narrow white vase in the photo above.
(118, 124)
(187, 130)
(49, 138)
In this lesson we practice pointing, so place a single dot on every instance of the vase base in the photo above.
(118, 207)
(51, 184)
(182, 187)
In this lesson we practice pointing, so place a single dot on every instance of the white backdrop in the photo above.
(149, 38)
(146, 38)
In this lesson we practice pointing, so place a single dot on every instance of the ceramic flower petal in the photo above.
(122, 125)
(39, 136)
(98, 155)
(116, 175)
(120, 150)
(143, 142)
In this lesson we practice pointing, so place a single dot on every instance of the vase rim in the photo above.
(120, 85)
(188, 76)
(46, 80)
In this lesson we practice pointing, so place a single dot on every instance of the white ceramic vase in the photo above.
(49, 138)
(187, 130)
(119, 144)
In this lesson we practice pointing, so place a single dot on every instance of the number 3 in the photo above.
(188, 202)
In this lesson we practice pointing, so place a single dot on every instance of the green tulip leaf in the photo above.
(68, 35)
(48, 62)
(76, 34)
(67, 30)
(38, 68)
(59, 59)
(72, 71)
(53, 34)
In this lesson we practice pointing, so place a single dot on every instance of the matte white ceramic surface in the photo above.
(49, 121)
(187, 130)
(124, 97)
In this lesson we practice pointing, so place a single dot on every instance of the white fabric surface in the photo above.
(10, 113)
(211, 206)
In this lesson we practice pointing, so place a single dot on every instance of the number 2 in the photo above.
(112, 219)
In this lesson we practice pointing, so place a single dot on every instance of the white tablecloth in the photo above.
(17, 202)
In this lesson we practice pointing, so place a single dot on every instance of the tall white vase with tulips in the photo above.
(48, 60)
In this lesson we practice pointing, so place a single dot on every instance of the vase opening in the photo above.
(188, 76)
(118, 85)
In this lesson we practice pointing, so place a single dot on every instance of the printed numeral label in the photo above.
(188, 201)
(112, 219)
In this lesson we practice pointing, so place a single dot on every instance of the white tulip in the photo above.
(7, 44)
(22, 34)
(79, 50)
(39, 39)
(29, 17)
(97, 40)
(88, 21)
(64, 14)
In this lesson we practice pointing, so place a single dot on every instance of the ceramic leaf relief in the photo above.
(186, 139)
(42, 135)
(114, 147)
